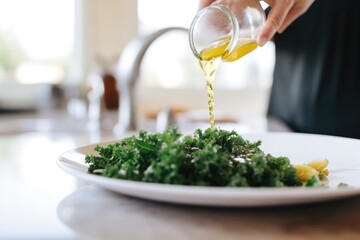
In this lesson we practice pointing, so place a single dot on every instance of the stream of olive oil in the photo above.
(209, 67)
(210, 59)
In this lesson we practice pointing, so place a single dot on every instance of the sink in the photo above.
(60, 122)
(57, 122)
(16, 126)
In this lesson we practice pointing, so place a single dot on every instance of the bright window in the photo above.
(169, 62)
(36, 39)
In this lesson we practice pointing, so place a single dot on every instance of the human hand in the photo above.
(281, 15)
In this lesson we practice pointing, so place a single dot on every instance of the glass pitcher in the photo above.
(226, 29)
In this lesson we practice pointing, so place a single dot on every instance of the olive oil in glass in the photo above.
(210, 59)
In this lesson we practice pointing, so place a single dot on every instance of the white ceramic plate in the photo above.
(344, 166)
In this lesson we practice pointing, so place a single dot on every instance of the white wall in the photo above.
(103, 28)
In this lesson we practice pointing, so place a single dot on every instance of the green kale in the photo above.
(314, 181)
(342, 185)
(211, 157)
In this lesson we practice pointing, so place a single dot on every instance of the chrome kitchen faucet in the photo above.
(127, 74)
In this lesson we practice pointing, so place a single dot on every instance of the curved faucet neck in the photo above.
(128, 70)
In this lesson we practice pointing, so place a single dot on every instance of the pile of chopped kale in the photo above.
(212, 157)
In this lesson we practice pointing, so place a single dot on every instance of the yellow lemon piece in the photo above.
(305, 172)
(326, 172)
(319, 165)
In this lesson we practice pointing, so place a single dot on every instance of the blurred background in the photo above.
(59, 88)
(58, 59)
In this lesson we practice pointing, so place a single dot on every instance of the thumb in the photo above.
(275, 20)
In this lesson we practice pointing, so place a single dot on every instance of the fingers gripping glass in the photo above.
(227, 31)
